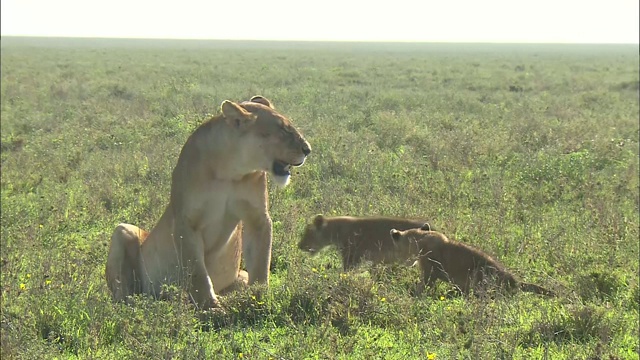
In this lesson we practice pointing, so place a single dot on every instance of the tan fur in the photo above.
(456, 262)
(217, 212)
(357, 238)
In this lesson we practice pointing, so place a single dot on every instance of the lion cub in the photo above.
(455, 262)
(357, 238)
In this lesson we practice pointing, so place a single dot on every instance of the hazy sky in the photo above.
(568, 21)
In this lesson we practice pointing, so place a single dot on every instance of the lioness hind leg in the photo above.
(242, 282)
(122, 263)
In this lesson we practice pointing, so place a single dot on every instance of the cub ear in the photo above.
(395, 234)
(235, 113)
(261, 100)
(319, 221)
(426, 227)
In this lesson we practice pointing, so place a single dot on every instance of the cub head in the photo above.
(412, 238)
(315, 236)
(405, 237)
(267, 140)
(398, 235)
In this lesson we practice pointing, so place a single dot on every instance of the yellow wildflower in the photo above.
(431, 356)
(23, 286)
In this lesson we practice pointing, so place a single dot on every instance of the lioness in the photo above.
(217, 209)
(455, 262)
(357, 238)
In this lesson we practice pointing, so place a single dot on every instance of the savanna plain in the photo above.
(529, 152)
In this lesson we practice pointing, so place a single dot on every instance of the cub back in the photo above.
(356, 237)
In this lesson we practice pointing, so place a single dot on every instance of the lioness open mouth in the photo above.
(281, 168)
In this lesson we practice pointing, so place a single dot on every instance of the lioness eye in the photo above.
(287, 129)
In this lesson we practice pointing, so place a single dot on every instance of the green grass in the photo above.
(528, 152)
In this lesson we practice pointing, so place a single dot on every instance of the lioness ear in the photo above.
(235, 113)
(261, 100)
(426, 227)
(395, 234)
(319, 221)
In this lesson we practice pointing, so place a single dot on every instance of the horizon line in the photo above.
(321, 41)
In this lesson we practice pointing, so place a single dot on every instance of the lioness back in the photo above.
(357, 238)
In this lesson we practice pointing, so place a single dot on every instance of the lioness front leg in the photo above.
(256, 247)
(194, 272)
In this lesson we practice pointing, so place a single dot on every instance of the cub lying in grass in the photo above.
(455, 262)
(357, 238)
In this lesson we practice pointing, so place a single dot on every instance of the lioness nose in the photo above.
(306, 149)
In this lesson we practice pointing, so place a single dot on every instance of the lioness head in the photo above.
(315, 236)
(267, 140)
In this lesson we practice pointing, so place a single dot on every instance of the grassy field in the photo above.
(528, 152)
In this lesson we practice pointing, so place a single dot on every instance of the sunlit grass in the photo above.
(529, 153)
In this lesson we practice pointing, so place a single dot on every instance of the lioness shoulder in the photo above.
(357, 238)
